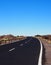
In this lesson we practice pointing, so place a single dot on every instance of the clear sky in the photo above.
(25, 17)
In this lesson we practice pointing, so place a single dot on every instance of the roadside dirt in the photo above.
(47, 51)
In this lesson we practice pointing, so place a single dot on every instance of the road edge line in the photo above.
(41, 53)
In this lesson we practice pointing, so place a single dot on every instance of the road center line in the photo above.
(12, 49)
(28, 40)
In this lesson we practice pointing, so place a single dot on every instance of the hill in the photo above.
(7, 39)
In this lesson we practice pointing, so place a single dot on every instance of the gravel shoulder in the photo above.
(47, 51)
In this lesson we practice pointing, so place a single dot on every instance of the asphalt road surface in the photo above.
(25, 52)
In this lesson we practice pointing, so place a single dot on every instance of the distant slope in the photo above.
(6, 39)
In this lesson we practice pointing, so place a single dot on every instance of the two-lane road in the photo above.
(25, 52)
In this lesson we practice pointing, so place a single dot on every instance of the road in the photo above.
(25, 52)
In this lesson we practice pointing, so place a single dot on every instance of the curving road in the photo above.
(25, 52)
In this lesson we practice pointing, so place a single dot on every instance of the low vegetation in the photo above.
(45, 37)
(7, 39)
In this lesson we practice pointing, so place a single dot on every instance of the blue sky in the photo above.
(25, 17)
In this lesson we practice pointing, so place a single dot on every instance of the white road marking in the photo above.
(28, 40)
(40, 56)
(12, 49)
(21, 44)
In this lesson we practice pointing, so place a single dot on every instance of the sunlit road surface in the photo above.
(25, 52)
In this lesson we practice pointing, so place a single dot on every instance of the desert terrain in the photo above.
(8, 39)
(45, 39)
